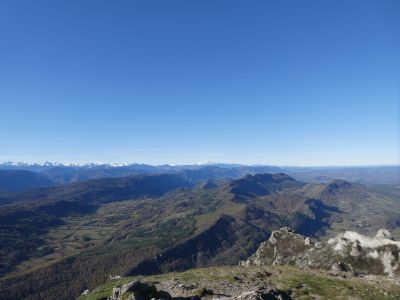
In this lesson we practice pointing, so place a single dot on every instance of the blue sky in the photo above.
(269, 82)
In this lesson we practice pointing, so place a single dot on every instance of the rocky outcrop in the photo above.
(137, 290)
(281, 248)
(269, 294)
(250, 283)
(379, 254)
(347, 252)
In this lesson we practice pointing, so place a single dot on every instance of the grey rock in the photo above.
(269, 294)
(137, 290)
(348, 252)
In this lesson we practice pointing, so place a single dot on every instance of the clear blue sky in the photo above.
(269, 82)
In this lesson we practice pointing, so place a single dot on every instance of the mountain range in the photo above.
(17, 177)
(60, 240)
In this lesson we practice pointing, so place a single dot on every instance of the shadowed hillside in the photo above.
(161, 223)
(22, 180)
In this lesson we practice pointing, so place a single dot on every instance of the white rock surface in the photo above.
(377, 247)
(341, 241)
(347, 252)
(384, 233)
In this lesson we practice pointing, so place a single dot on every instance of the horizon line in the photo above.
(126, 164)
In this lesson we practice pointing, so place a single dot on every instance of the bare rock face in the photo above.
(380, 253)
(281, 249)
(347, 252)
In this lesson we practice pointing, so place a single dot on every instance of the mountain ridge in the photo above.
(67, 173)
(78, 229)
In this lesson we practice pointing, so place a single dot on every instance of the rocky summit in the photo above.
(137, 290)
(286, 266)
(247, 283)
(347, 252)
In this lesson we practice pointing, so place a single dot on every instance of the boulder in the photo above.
(269, 294)
(137, 290)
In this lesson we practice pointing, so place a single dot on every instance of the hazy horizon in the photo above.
(207, 163)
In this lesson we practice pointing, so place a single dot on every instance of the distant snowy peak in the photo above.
(30, 164)
(47, 164)
(96, 164)
(205, 163)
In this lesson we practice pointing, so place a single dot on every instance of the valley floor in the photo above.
(229, 282)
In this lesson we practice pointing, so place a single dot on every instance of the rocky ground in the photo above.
(255, 282)
(286, 266)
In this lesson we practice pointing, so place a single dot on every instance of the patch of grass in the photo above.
(163, 234)
(105, 290)
(327, 287)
